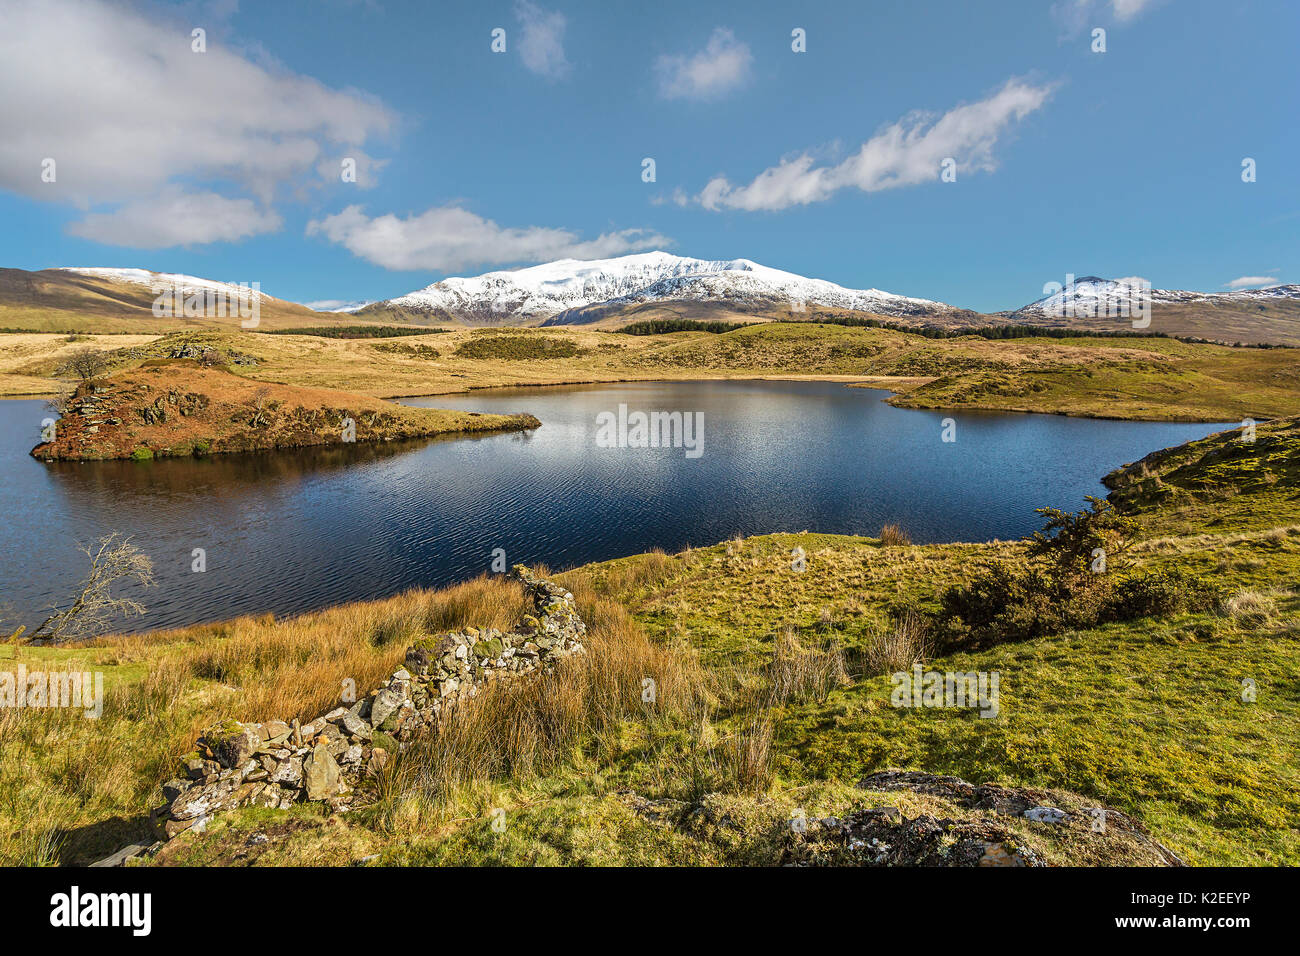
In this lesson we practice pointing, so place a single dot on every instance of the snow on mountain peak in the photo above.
(1091, 296)
(167, 280)
(546, 290)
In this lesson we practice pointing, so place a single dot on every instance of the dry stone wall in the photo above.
(278, 763)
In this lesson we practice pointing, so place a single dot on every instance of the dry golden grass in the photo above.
(898, 646)
(893, 536)
(802, 674)
(72, 788)
(522, 729)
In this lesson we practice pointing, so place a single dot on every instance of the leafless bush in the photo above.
(85, 363)
(61, 400)
(111, 560)
(262, 406)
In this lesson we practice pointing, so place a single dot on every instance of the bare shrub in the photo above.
(111, 561)
(61, 400)
(262, 406)
(85, 363)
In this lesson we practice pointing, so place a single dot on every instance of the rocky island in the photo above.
(180, 407)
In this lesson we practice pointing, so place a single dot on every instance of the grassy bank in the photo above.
(772, 699)
(1155, 378)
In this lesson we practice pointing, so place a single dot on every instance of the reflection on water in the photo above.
(290, 531)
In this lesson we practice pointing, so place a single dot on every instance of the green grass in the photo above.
(1145, 716)
(516, 347)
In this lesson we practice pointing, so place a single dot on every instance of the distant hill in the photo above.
(122, 300)
(1267, 315)
(612, 293)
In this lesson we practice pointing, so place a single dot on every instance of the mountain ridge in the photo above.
(613, 292)
(543, 292)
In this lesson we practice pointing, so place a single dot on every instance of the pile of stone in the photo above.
(278, 763)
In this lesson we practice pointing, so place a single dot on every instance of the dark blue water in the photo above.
(292, 531)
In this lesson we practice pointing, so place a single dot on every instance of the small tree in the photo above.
(262, 406)
(1073, 542)
(85, 363)
(61, 400)
(1076, 581)
(111, 560)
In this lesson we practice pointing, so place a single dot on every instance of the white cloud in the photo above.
(177, 218)
(722, 66)
(446, 238)
(909, 152)
(127, 111)
(541, 45)
(1128, 9)
(336, 305)
(1246, 282)
(1078, 14)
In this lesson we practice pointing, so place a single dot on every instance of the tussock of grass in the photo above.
(802, 674)
(893, 536)
(1254, 609)
(897, 646)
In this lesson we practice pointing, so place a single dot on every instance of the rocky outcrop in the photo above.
(278, 763)
(965, 824)
(176, 408)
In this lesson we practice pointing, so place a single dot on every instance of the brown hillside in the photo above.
(53, 300)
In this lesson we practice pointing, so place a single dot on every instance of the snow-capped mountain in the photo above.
(167, 280)
(1093, 297)
(545, 291)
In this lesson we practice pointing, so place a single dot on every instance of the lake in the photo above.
(292, 531)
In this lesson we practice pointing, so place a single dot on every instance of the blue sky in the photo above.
(225, 163)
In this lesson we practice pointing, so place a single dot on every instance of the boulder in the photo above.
(1045, 815)
(320, 773)
(385, 702)
(232, 744)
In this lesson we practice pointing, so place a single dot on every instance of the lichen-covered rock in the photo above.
(232, 743)
(956, 823)
(320, 774)
(385, 703)
(288, 772)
